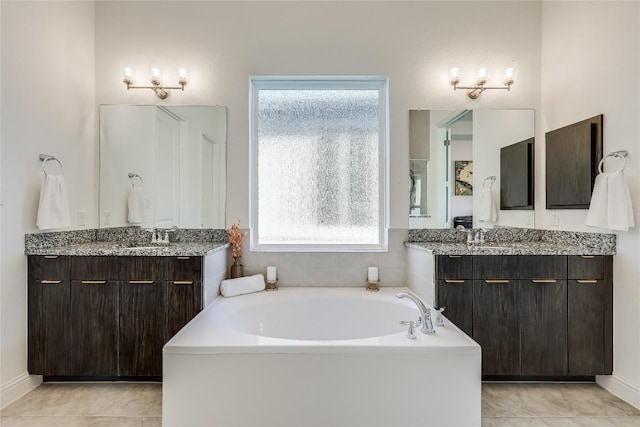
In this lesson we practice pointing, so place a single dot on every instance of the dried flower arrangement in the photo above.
(236, 238)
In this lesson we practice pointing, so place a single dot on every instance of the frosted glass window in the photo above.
(318, 149)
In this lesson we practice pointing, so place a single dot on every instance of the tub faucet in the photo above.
(425, 313)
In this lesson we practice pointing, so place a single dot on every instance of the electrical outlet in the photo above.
(82, 218)
(555, 218)
(107, 217)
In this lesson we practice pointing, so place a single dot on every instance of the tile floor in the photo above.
(140, 405)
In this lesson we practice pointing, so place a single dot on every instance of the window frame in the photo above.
(380, 83)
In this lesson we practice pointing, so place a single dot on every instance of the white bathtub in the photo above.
(318, 357)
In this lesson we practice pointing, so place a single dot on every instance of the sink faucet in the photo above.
(425, 313)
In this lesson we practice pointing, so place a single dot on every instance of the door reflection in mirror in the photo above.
(439, 139)
(180, 152)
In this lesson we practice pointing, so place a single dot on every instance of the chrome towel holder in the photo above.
(491, 180)
(621, 154)
(135, 175)
(47, 157)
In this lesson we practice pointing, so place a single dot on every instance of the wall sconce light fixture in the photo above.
(475, 90)
(156, 83)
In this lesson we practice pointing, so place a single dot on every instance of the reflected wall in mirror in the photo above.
(465, 135)
(162, 166)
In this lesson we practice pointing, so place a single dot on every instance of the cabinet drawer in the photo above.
(454, 267)
(145, 268)
(97, 268)
(520, 267)
(48, 267)
(586, 267)
(183, 268)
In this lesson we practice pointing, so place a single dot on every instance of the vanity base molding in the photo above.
(536, 378)
(73, 379)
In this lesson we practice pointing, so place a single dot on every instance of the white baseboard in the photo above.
(622, 387)
(18, 387)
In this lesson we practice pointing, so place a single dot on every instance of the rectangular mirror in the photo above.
(162, 166)
(460, 180)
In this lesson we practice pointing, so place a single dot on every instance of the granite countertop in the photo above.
(508, 248)
(121, 249)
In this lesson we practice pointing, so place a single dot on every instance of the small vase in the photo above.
(236, 269)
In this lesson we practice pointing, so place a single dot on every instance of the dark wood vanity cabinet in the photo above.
(49, 321)
(453, 289)
(93, 316)
(533, 316)
(590, 304)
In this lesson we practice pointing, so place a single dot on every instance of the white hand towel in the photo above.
(135, 204)
(242, 285)
(488, 211)
(598, 208)
(53, 209)
(620, 209)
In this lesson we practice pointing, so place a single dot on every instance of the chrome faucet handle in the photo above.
(439, 319)
(427, 327)
(411, 333)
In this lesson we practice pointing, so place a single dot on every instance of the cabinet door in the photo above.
(543, 327)
(457, 297)
(184, 301)
(142, 331)
(94, 325)
(586, 327)
(496, 325)
(48, 315)
(49, 327)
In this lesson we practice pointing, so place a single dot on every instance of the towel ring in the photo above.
(135, 175)
(622, 154)
(47, 157)
(491, 179)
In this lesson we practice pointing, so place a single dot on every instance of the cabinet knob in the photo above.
(141, 282)
(497, 281)
(51, 282)
(544, 280)
(183, 282)
(50, 256)
(93, 282)
(587, 281)
(453, 281)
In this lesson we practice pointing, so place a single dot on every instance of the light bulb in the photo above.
(509, 76)
(183, 78)
(155, 76)
(127, 76)
(482, 76)
(454, 75)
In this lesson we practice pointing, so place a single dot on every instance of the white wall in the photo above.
(49, 107)
(223, 43)
(590, 66)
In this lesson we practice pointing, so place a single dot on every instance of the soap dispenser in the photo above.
(166, 237)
